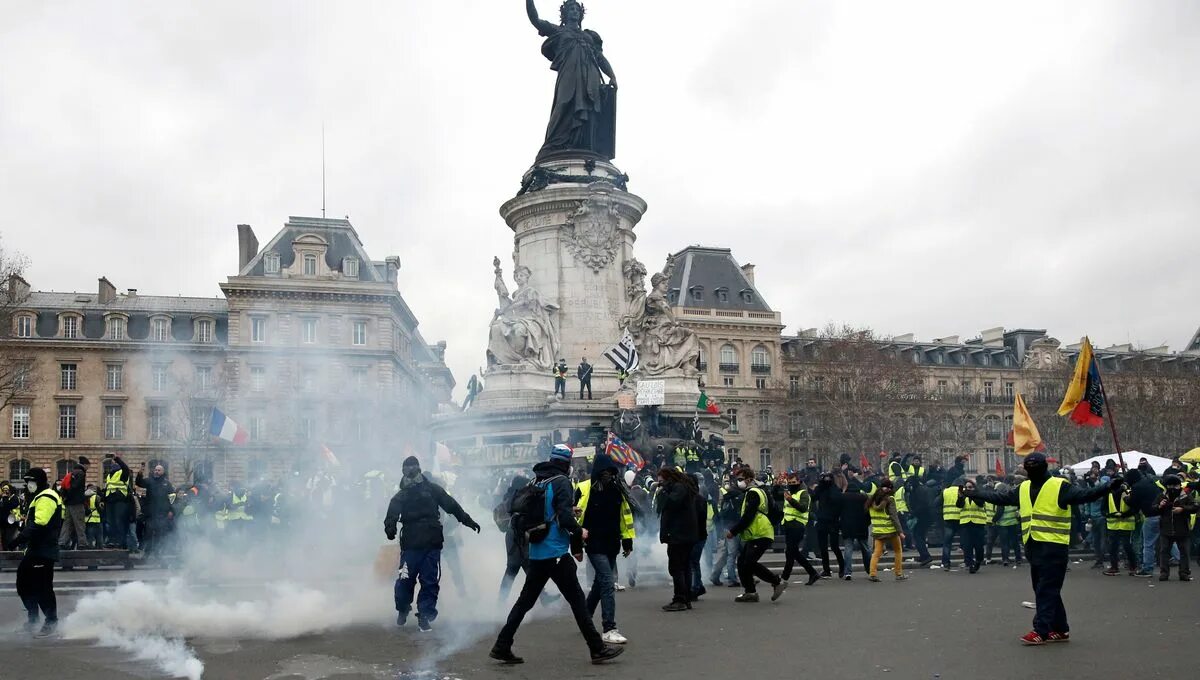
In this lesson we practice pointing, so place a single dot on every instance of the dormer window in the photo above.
(697, 293)
(160, 329)
(271, 263)
(673, 295)
(25, 326)
(722, 294)
(115, 327)
(747, 296)
(70, 327)
(350, 267)
(310, 264)
(204, 330)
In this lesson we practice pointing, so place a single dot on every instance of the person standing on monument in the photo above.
(584, 373)
(560, 379)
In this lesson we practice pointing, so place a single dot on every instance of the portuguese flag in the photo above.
(708, 406)
(1084, 400)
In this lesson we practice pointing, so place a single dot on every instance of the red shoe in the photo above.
(1058, 637)
(1032, 638)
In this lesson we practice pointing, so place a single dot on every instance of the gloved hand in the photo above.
(390, 533)
(472, 525)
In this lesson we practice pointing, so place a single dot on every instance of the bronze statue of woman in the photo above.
(582, 117)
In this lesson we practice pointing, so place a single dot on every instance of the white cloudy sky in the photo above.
(927, 167)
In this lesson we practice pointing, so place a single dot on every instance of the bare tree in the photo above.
(17, 373)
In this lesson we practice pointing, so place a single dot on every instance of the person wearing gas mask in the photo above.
(417, 506)
(35, 575)
(1044, 508)
(1175, 509)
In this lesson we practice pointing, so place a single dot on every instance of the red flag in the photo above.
(864, 462)
(999, 468)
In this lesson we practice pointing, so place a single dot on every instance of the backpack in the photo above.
(502, 517)
(731, 508)
(774, 508)
(528, 512)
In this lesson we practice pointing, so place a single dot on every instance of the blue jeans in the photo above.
(424, 566)
(603, 587)
(848, 546)
(949, 529)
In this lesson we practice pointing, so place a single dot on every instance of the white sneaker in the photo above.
(620, 588)
(614, 637)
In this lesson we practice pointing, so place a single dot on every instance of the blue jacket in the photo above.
(566, 536)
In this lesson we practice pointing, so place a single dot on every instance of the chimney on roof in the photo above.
(393, 266)
(107, 293)
(131, 293)
(992, 337)
(748, 270)
(18, 288)
(247, 245)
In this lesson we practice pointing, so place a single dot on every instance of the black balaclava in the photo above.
(1036, 467)
(411, 468)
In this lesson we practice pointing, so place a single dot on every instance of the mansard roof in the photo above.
(339, 236)
(700, 272)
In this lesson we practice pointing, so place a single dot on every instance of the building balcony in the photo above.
(729, 368)
(703, 365)
(760, 368)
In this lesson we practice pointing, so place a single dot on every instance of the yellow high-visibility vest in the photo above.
(1045, 520)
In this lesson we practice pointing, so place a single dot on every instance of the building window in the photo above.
(795, 423)
(759, 360)
(764, 420)
(159, 377)
(732, 414)
(760, 383)
(310, 264)
(157, 419)
(198, 418)
(360, 333)
(203, 377)
(844, 387)
(114, 377)
(66, 421)
(987, 390)
(17, 469)
(258, 378)
(702, 360)
(697, 293)
(308, 427)
(67, 376)
(747, 297)
(24, 326)
(942, 386)
(793, 383)
(764, 459)
(729, 360)
(1010, 390)
(308, 379)
(817, 382)
(308, 331)
(992, 427)
(71, 327)
(204, 330)
(722, 294)
(258, 329)
(271, 263)
(20, 422)
(21, 374)
(733, 453)
(258, 428)
(993, 457)
(350, 267)
(116, 328)
(358, 377)
(727, 381)
(160, 330)
(114, 422)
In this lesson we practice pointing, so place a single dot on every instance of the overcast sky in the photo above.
(928, 167)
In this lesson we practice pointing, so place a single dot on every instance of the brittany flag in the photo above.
(222, 427)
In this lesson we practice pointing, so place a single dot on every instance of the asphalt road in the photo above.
(936, 625)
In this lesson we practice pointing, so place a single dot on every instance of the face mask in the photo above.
(89, 493)
(31, 486)
(743, 484)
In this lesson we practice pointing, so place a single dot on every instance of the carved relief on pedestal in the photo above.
(593, 231)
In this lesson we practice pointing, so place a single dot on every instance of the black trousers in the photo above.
(794, 532)
(537, 574)
(588, 384)
(1051, 614)
(679, 566)
(748, 566)
(35, 587)
(826, 537)
(973, 538)
(1164, 554)
(1118, 540)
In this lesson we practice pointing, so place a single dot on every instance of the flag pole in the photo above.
(1112, 422)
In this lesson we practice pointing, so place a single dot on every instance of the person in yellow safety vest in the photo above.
(1009, 532)
(680, 459)
(886, 529)
(692, 460)
(560, 379)
(901, 498)
(606, 516)
(622, 376)
(757, 534)
(1120, 520)
(236, 516)
(895, 470)
(35, 574)
(972, 523)
(914, 469)
(118, 504)
(1044, 511)
(951, 512)
(796, 504)
(93, 527)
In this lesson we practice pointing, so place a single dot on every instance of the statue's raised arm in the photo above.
(534, 19)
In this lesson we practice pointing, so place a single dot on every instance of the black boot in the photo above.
(505, 656)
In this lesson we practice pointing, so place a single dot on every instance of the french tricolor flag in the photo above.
(224, 428)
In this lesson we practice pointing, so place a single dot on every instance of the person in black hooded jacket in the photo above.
(35, 574)
(679, 531)
(829, 513)
(605, 512)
